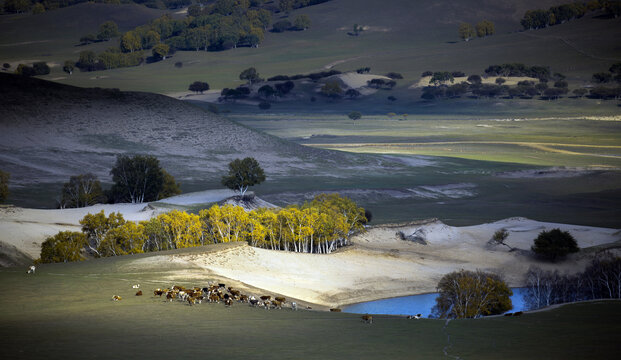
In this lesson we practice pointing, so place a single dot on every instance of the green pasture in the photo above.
(402, 36)
(65, 311)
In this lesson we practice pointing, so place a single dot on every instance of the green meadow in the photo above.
(66, 311)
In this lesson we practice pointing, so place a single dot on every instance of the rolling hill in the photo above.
(50, 131)
(402, 36)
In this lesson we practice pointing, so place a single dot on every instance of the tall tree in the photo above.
(354, 115)
(554, 244)
(242, 174)
(302, 22)
(81, 191)
(136, 179)
(251, 75)
(107, 30)
(469, 294)
(63, 247)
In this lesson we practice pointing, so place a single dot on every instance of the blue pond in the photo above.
(417, 304)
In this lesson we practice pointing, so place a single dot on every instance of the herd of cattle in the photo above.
(216, 293)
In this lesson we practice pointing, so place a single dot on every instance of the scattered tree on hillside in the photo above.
(87, 60)
(302, 22)
(69, 66)
(266, 91)
(160, 51)
(81, 191)
(485, 28)
(242, 174)
(65, 246)
(499, 238)
(475, 79)
(137, 179)
(281, 26)
(332, 89)
(469, 294)
(357, 30)
(4, 185)
(554, 244)
(602, 77)
(107, 31)
(251, 75)
(441, 77)
(354, 115)
(198, 86)
(466, 31)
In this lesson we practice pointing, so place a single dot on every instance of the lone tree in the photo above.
(140, 178)
(302, 22)
(554, 244)
(198, 86)
(4, 185)
(354, 115)
(466, 31)
(81, 191)
(470, 294)
(242, 174)
(499, 238)
(251, 75)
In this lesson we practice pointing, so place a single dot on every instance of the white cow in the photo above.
(32, 269)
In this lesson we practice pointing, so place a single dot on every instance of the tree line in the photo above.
(600, 280)
(40, 6)
(541, 18)
(320, 227)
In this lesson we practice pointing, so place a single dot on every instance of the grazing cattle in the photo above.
(280, 298)
(228, 302)
(137, 286)
(243, 298)
(191, 300)
(170, 295)
(254, 302)
(235, 293)
(116, 298)
(265, 297)
(222, 285)
(276, 304)
(31, 269)
(309, 308)
(368, 319)
(159, 292)
(139, 293)
(213, 297)
(335, 310)
(517, 313)
(294, 306)
(178, 288)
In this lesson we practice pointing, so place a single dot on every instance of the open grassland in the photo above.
(571, 142)
(402, 36)
(65, 311)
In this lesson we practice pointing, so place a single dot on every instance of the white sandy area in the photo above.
(26, 229)
(381, 265)
(509, 80)
(378, 264)
(207, 96)
(356, 81)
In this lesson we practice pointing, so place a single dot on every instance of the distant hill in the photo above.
(50, 131)
(403, 36)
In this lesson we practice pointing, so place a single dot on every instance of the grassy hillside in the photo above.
(51, 131)
(72, 316)
(53, 36)
(402, 36)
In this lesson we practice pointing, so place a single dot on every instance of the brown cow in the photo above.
(139, 293)
(116, 298)
(228, 302)
(335, 310)
(265, 297)
(368, 319)
(280, 298)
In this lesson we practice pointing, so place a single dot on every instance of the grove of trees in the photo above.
(600, 280)
(81, 191)
(471, 294)
(320, 226)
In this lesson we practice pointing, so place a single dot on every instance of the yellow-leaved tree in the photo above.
(181, 229)
(96, 226)
(128, 238)
(63, 247)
